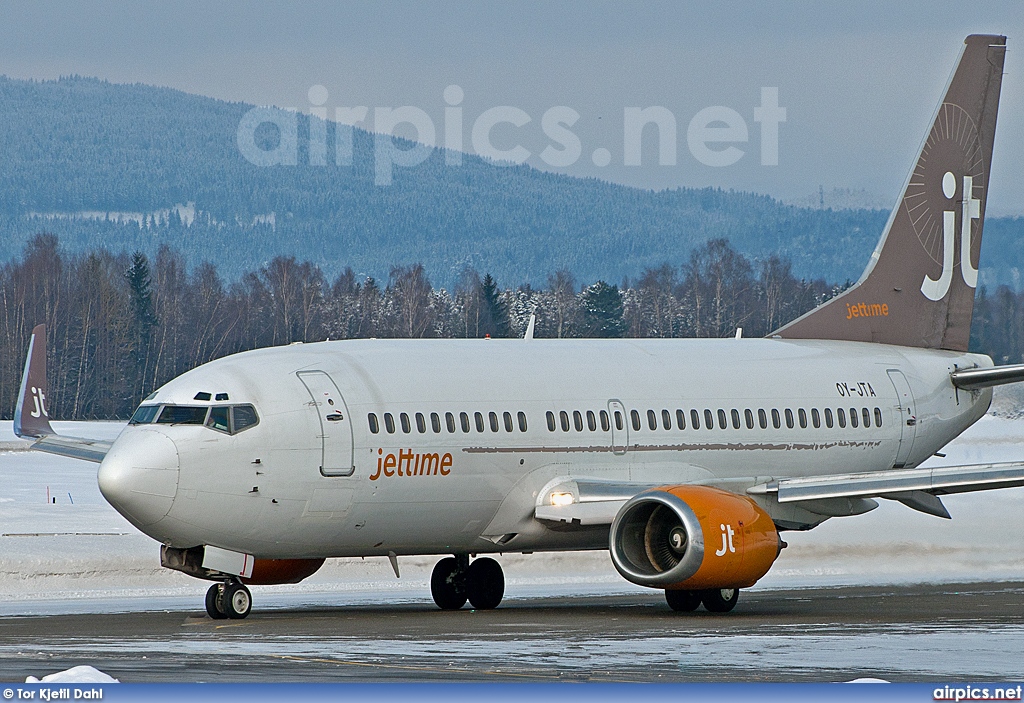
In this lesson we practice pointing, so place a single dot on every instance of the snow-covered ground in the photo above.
(78, 555)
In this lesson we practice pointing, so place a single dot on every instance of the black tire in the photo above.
(720, 600)
(682, 601)
(237, 600)
(447, 585)
(485, 584)
(214, 607)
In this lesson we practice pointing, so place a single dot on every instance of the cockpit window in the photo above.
(182, 415)
(224, 418)
(243, 417)
(144, 415)
(218, 419)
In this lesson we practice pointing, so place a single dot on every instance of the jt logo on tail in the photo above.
(937, 289)
(39, 400)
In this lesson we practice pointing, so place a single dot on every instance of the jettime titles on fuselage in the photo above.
(409, 463)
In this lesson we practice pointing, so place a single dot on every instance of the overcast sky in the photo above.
(858, 80)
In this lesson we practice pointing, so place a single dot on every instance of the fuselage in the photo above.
(368, 447)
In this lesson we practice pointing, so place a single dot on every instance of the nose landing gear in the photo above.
(230, 599)
(455, 580)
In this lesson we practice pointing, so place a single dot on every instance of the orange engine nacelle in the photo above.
(693, 537)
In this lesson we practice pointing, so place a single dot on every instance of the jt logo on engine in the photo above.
(970, 211)
(727, 545)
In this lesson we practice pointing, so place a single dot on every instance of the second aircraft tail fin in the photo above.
(918, 289)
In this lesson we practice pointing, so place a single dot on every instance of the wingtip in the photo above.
(31, 416)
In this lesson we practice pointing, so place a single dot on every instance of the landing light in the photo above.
(559, 499)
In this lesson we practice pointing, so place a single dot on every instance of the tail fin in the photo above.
(31, 418)
(918, 289)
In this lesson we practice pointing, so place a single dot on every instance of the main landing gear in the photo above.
(715, 600)
(455, 580)
(230, 599)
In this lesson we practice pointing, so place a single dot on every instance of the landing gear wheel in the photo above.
(448, 584)
(682, 601)
(214, 602)
(720, 600)
(237, 600)
(485, 584)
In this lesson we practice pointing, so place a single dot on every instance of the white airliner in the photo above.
(686, 458)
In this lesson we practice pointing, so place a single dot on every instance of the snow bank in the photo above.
(77, 674)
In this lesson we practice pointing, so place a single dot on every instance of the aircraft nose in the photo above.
(139, 475)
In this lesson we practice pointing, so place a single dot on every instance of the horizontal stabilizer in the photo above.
(973, 379)
(899, 485)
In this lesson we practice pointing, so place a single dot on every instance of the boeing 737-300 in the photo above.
(686, 458)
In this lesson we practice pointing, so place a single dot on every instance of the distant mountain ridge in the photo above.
(75, 149)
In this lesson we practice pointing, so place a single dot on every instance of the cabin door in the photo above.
(335, 423)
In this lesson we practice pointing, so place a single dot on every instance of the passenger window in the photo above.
(564, 418)
(841, 416)
(479, 418)
(577, 420)
(182, 415)
(605, 425)
(802, 416)
(464, 421)
(493, 418)
(866, 414)
(449, 422)
(406, 425)
(618, 421)
(680, 419)
(421, 423)
(551, 421)
(389, 423)
(695, 419)
(853, 417)
(507, 417)
(815, 418)
(244, 416)
(776, 419)
(652, 419)
(735, 419)
(435, 422)
(722, 420)
(522, 421)
(634, 417)
(878, 417)
(218, 419)
(666, 419)
(789, 418)
(372, 419)
(591, 421)
(762, 418)
(748, 415)
(709, 419)
(828, 418)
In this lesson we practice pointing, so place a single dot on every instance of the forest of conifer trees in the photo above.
(118, 325)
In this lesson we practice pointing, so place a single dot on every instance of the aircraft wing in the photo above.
(31, 417)
(916, 488)
(583, 502)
